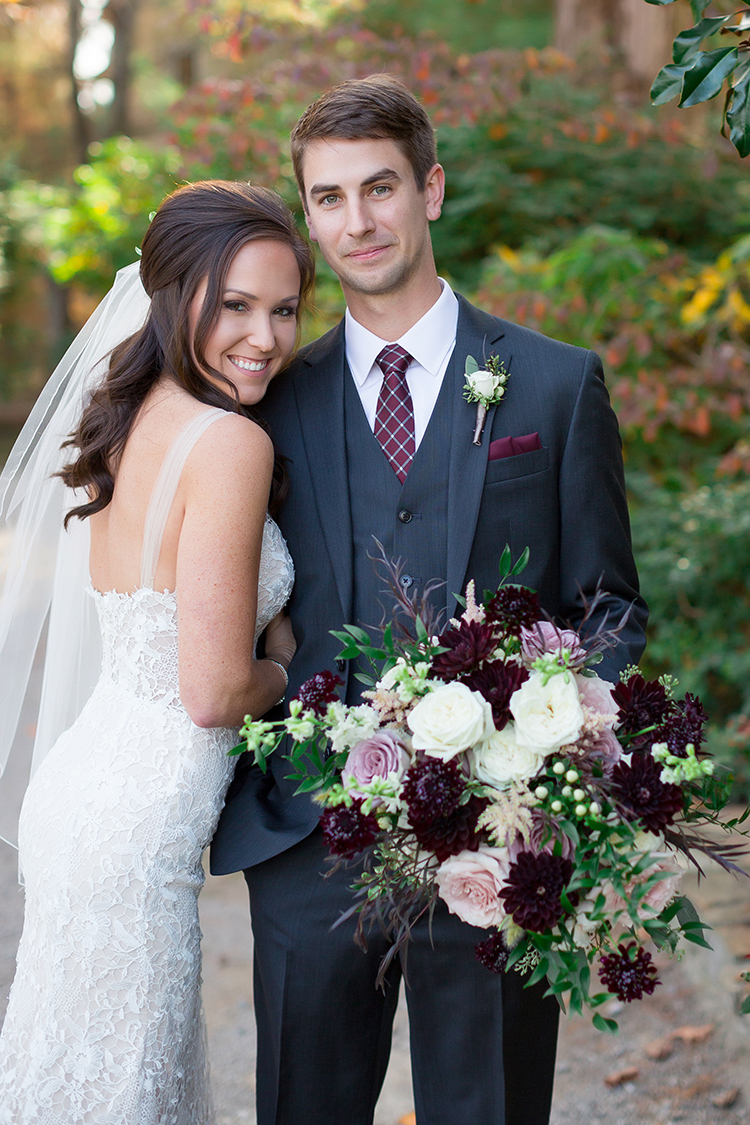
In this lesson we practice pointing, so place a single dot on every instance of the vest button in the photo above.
(340, 665)
(405, 515)
(406, 581)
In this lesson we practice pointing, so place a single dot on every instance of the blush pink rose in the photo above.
(597, 695)
(383, 753)
(470, 883)
(546, 637)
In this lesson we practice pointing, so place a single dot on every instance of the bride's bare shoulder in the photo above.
(168, 411)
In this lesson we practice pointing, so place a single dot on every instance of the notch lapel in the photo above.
(477, 334)
(319, 392)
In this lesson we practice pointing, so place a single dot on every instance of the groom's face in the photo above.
(368, 216)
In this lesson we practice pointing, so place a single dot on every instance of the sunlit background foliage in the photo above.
(572, 207)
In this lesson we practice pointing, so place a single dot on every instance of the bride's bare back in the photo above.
(210, 552)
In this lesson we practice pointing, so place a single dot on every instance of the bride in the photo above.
(172, 478)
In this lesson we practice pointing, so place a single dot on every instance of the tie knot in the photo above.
(393, 358)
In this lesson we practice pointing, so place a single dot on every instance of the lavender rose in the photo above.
(470, 883)
(383, 753)
(546, 637)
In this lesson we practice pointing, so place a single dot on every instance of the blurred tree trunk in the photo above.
(121, 14)
(81, 128)
(636, 36)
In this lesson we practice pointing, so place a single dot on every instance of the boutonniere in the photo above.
(484, 386)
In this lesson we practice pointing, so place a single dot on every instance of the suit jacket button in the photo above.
(405, 515)
(340, 665)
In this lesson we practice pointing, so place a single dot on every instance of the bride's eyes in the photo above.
(235, 306)
(286, 312)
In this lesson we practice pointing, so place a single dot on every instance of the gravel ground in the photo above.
(701, 1078)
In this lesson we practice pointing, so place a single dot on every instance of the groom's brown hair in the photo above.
(375, 108)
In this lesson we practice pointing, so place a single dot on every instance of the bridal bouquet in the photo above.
(490, 767)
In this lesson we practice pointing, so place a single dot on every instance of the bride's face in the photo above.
(257, 325)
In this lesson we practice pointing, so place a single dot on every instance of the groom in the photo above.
(378, 439)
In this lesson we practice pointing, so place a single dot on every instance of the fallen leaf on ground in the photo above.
(660, 1048)
(726, 1098)
(691, 1034)
(627, 1074)
(410, 1119)
(701, 1085)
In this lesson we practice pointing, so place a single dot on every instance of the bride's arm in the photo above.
(226, 481)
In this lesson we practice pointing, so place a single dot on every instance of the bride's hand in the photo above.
(280, 643)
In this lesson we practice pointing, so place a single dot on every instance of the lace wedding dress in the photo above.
(104, 1023)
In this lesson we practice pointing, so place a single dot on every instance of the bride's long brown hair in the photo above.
(195, 234)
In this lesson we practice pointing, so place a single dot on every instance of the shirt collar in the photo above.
(429, 341)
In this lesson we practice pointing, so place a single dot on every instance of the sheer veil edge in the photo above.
(46, 569)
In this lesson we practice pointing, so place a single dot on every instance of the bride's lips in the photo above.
(249, 366)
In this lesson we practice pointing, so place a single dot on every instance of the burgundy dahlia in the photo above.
(513, 608)
(534, 889)
(457, 832)
(497, 682)
(317, 692)
(628, 975)
(346, 830)
(682, 727)
(492, 952)
(639, 788)
(642, 704)
(466, 648)
(432, 789)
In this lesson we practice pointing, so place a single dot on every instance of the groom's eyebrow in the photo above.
(376, 177)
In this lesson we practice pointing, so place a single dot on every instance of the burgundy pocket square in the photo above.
(512, 446)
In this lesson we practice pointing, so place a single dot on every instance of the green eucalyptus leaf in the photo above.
(698, 7)
(688, 42)
(668, 83)
(598, 1020)
(705, 80)
(738, 115)
(506, 561)
(745, 1006)
(471, 365)
(521, 563)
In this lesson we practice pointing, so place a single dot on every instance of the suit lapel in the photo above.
(477, 334)
(319, 392)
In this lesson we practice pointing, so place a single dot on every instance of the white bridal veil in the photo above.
(44, 568)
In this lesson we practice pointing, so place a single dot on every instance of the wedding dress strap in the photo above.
(165, 488)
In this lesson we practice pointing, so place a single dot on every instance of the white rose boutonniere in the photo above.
(484, 386)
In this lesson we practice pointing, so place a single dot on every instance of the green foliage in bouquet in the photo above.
(490, 767)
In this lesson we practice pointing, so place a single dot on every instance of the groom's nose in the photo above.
(359, 221)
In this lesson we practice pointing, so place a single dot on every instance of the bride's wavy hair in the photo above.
(195, 234)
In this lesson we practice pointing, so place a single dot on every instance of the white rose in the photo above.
(549, 715)
(500, 761)
(483, 383)
(450, 719)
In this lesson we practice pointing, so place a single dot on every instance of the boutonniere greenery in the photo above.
(485, 386)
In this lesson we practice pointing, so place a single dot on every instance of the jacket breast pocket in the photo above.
(522, 465)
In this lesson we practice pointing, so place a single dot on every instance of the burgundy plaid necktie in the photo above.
(394, 417)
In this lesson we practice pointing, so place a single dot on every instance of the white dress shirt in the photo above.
(430, 341)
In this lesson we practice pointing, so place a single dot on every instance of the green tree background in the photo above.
(573, 207)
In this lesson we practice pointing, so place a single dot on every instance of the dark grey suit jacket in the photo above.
(565, 502)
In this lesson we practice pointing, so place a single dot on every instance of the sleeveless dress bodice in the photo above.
(104, 1023)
